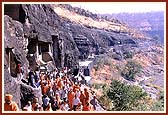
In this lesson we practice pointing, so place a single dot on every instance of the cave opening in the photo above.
(45, 51)
(68, 61)
(32, 46)
(39, 53)
(12, 62)
(111, 43)
(15, 11)
(56, 51)
(44, 47)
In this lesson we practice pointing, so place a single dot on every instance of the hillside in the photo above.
(91, 20)
(150, 23)
(45, 38)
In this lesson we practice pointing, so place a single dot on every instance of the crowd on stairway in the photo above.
(61, 91)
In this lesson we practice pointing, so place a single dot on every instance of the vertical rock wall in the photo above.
(32, 22)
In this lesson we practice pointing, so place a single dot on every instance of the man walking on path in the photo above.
(94, 102)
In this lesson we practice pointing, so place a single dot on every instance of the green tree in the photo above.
(128, 54)
(124, 97)
(152, 105)
(130, 70)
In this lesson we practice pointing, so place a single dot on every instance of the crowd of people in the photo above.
(61, 91)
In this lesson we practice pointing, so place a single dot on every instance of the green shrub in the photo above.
(130, 70)
(106, 102)
(149, 104)
(124, 97)
(97, 86)
(155, 106)
(107, 61)
(159, 105)
(128, 54)
(102, 61)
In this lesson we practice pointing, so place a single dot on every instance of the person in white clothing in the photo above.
(76, 101)
(64, 106)
(64, 93)
(78, 93)
(28, 107)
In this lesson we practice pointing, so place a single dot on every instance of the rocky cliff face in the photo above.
(48, 27)
(32, 31)
(150, 23)
(93, 34)
(24, 26)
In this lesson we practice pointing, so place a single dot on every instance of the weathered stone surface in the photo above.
(11, 86)
(41, 23)
(69, 41)
(28, 93)
(46, 23)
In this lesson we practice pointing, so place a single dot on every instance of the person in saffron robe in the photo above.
(10, 105)
(71, 96)
(82, 98)
(86, 95)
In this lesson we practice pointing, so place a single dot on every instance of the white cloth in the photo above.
(64, 107)
(78, 94)
(76, 101)
(28, 108)
(61, 74)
